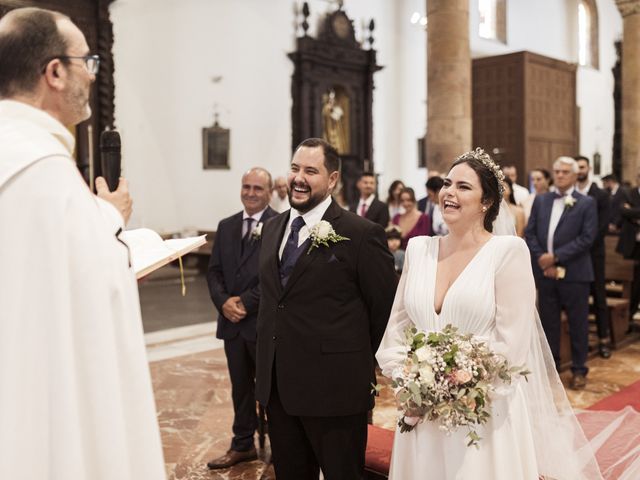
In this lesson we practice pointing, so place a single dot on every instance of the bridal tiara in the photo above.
(484, 158)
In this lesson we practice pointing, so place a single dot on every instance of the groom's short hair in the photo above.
(331, 157)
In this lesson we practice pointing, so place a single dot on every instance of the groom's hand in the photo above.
(233, 309)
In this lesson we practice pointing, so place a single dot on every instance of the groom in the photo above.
(323, 311)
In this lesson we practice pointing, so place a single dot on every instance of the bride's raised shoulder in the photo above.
(473, 376)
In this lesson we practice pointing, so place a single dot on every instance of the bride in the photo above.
(482, 283)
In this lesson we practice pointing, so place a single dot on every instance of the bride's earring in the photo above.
(484, 209)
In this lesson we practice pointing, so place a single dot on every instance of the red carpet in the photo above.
(612, 426)
(627, 397)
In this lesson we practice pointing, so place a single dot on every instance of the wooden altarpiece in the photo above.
(332, 91)
(92, 17)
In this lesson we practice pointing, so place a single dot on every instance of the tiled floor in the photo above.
(194, 407)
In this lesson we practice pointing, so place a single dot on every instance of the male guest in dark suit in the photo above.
(369, 206)
(629, 243)
(560, 232)
(586, 187)
(617, 197)
(233, 284)
(323, 311)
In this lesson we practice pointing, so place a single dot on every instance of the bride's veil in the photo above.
(503, 224)
(562, 449)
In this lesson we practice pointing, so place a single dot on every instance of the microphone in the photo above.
(110, 157)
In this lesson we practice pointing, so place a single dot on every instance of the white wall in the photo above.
(166, 52)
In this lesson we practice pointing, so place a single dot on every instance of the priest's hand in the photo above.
(119, 198)
(233, 309)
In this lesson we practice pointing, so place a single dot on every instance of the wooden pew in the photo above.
(619, 276)
(617, 270)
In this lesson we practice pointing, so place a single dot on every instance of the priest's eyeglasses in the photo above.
(91, 62)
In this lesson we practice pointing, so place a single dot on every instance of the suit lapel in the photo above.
(273, 247)
(565, 210)
(253, 244)
(546, 216)
(371, 210)
(236, 236)
(333, 212)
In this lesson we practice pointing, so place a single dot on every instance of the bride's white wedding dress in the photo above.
(532, 430)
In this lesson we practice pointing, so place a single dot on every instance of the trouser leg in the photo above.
(241, 359)
(575, 299)
(293, 457)
(549, 308)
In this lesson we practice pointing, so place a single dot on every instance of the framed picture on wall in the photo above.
(215, 147)
(422, 154)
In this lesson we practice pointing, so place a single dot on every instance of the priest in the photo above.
(75, 392)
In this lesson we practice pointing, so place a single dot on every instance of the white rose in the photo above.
(258, 230)
(426, 374)
(423, 354)
(324, 229)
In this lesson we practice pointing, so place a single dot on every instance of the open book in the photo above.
(150, 252)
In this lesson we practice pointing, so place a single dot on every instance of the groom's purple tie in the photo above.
(290, 253)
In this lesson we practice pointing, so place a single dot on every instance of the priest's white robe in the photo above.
(76, 401)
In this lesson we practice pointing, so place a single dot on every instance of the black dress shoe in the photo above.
(578, 382)
(232, 457)
(604, 350)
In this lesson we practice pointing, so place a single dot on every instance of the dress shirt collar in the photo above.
(28, 113)
(569, 192)
(584, 191)
(314, 215)
(367, 201)
(255, 216)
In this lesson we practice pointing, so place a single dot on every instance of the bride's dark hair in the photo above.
(490, 177)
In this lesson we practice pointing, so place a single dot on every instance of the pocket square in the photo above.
(333, 258)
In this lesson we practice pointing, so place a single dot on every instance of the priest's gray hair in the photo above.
(567, 161)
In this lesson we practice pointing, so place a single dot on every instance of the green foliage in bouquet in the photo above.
(449, 378)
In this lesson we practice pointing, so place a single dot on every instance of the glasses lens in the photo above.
(93, 64)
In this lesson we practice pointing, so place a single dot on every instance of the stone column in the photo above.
(630, 104)
(448, 82)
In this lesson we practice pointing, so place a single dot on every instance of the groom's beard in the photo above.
(314, 199)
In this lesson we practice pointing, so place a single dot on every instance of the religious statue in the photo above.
(335, 121)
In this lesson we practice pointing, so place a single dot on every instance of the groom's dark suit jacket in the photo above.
(572, 239)
(233, 271)
(320, 332)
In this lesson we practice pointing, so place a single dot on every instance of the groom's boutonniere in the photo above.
(256, 233)
(569, 202)
(322, 233)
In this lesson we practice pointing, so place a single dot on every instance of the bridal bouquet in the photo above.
(448, 378)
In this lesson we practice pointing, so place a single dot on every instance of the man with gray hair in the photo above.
(75, 398)
(560, 232)
(233, 285)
